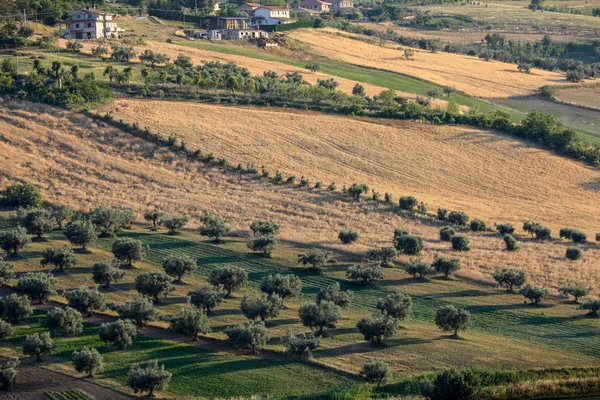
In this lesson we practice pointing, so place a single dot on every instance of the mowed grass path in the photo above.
(492, 312)
(196, 371)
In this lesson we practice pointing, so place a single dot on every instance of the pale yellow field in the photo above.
(468, 74)
(83, 164)
(587, 97)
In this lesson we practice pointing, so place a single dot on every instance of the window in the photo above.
(79, 16)
(89, 25)
(89, 15)
(77, 26)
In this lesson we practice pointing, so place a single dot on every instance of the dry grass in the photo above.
(468, 74)
(587, 97)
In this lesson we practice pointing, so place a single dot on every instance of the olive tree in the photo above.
(60, 214)
(128, 250)
(266, 244)
(153, 216)
(282, 285)
(452, 319)
(535, 294)
(575, 289)
(505, 229)
(7, 271)
(58, 257)
(15, 307)
(460, 243)
(206, 297)
(446, 266)
(408, 203)
(396, 305)
(86, 299)
(38, 344)
(377, 327)
(261, 227)
(300, 343)
(109, 221)
(446, 233)
(384, 255)
(365, 274)
(510, 278)
(417, 268)
(81, 233)
(66, 321)
(321, 315)
(149, 378)
(376, 371)
(21, 195)
(334, 294)
(177, 266)
(190, 322)
(249, 335)
(140, 311)
(592, 305)
(8, 373)
(228, 277)
(154, 285)
(38, 285)
(14, 240)
(347, 237)
(213, 227)
(458, 218)
(37, 221)
(120, 333)
(356, 190)
(174, 223)
(106, 272)
(261, 306)
(88, 360)
(315, 257)
(6, 330)
(409, 244)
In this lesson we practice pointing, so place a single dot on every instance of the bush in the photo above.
(452, 319)
(455, 385)
(213, 227)
(575, 289)
(356, 190)
(534, 293)
(7, 271)
(21, 195)
(154, 284)
(8, 373)
(190, 322)
(15, 308)
(377, 327)
(578, 237)
(140, 311)
(321, 315)
(152, 377)
(446, 266)
(174, 223)
(367, 274)
(128, 250)
(300, 343)
(249, 335)
(565, 233)
(376, 371)
(442, 214)
(573, 253)
(38, 286)
(478, 225)
(6, 330)
(458, 218)
(38, 344)
(511, 243)
(334, 294)
(505, 229)
(592, 305)
(14, 240)
(106, 272)
(347, 237)
(206, 297)
(88, 361)
(282, 285)
(120, 333)
(67, 321)
(417, 268)
(446, 233)
(409, 244)
(228, 277)
(509, 278)
(37, 221)
(384, 255)
(266, 244)
(316, 257)
(529, 227)
(460, 243)
(60, 258)
(177, 266)
(396, 305)
(81, 233)
(597, 237)
(86, 299)
(109, 221)
(261, 306)
(264, 228)
(542, 232)
(408, 203)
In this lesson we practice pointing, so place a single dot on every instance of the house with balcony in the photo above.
(272, 15)
(89, 23)
(313, 6)
(341, 5)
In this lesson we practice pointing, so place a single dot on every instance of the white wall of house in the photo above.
(269, 17)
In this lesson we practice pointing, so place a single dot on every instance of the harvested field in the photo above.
(586, 97)
(468, 74)
(78, 162)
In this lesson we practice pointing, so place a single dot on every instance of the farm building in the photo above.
(228, 23)
(89, 23)
(314, 6)
(337, 5)
(272, 15)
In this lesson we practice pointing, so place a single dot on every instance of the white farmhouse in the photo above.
(89, 23)
(272, 15)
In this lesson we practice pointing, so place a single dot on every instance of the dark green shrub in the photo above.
(369, 273)
(592, 305)
(534, 293)
(384, 255)
(565, 233)
(455, 385)
(478, 225)
(511, 242)
(505, 229)
(408, 203)
(460, 243)
(458, 218)
(452, 319)
(409, 244)
(21, 195)
(347, 237)
(446, 266)
(417, 268)
(578, 236)
(446, 233)
(542, 232)
(442, 214)
(573, 253)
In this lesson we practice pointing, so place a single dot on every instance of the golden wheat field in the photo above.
(487, 79)
(81, 163)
